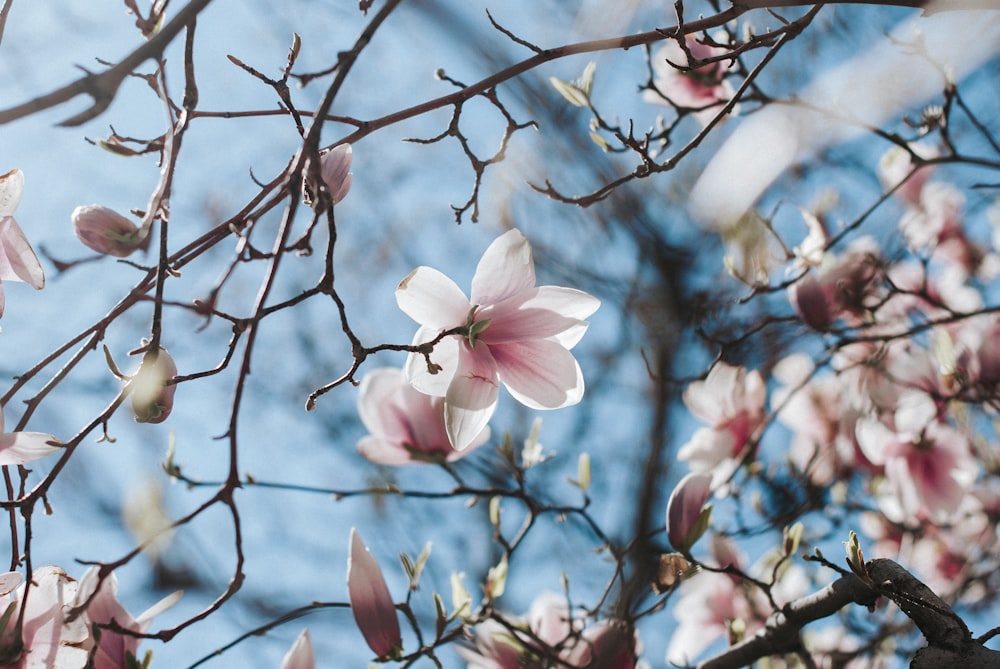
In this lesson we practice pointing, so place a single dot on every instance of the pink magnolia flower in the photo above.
(703, 89)
(300, 655)
(928, 465)
(684, 509)
(46, 639)
(510, 331)
(371, 602)
(405, 425)
(113, 648)
(18, 261)
(18, 448)
(106, 231)
(731, 401)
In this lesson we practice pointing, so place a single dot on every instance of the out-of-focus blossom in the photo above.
(703, 89)
(405, 425)
(896, 165)
(823, 446)
(606, 645)
(510, 331)
(18, 261)
(846, 289)
(550, 635)
(928, 465)
(152, 395)
(113, 648)
(335, 168)
(720, 605)
(47, 640)
(300, 655)
(731, 401)
(684, 510)
(18, 448)
(371, 603)
(106, 231)
(751, 250)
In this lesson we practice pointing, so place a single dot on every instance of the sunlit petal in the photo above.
(432, 299)
(18, 448)
(505, 269)
(472, 395)
(18, 261)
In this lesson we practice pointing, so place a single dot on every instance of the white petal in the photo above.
(300, 656)
(18, 448)
(445, 354)
(472, 396)
(540, 374)
(11, 187)
(505, 269)
(432, 299)
(18, 261)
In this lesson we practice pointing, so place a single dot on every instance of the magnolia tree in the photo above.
(742, 259)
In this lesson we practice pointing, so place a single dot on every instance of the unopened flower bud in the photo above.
(687, 516)
(371, 602)
(152, 396)
(106, 231)
(335, 168)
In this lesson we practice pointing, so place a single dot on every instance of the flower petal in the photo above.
(300, 655)
(505, 269)
(445, 355)
(11, 187)
(472, 395)
(432, 299)
(18, 261)
(540, 374)
(371, 603)
(381, 451)
(18, 448)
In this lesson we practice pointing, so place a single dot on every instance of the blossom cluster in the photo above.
(894, 410)
(70, 624)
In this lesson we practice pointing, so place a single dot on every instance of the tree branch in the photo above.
(949, 642)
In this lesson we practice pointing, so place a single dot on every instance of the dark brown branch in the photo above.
(103, 87)
(949, 642)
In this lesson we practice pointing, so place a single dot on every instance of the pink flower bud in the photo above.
(335, 168)
(152, 396)
(371, 602)
(106, 231)
(684, 510)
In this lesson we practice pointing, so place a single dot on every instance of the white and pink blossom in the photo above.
(928, 465)
(405, 425)
(703, 90)
(732, 402)
(47, 639)
(510, 331)
(113, 649)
